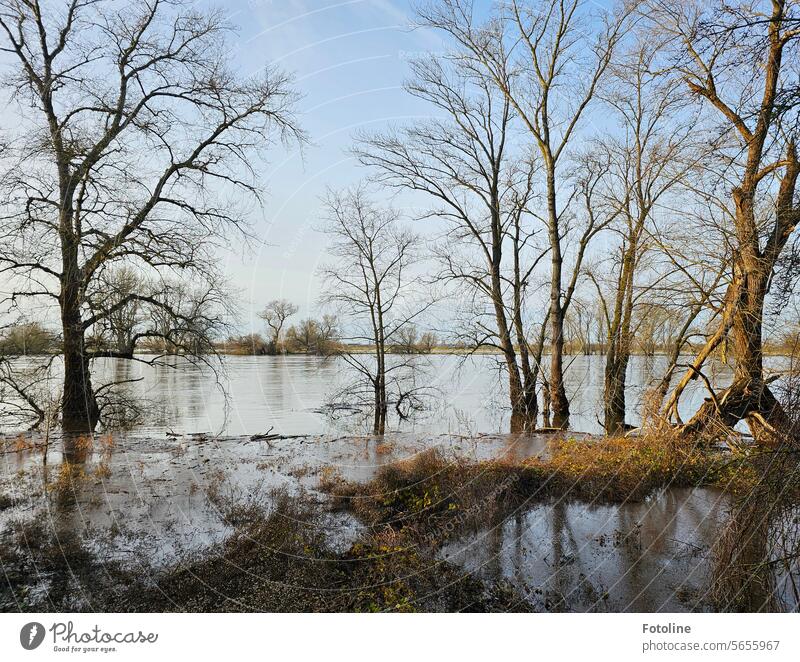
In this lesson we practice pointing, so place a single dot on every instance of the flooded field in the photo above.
(192, 480)
(148, 503)
(248, 395)
(141, 486)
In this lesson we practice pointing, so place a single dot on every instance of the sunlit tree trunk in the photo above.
(765, 156)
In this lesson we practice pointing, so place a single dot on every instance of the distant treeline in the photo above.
(26, 339)
(322, 337)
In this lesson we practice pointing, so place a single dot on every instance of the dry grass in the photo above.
(757, 555)
(432, 492)
(67, 479)
(102, 471)
(631, 468)
(22, 443)
(384, 448)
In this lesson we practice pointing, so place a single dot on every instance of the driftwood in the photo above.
(268, 436)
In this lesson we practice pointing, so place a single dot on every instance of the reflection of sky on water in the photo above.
(467, 395)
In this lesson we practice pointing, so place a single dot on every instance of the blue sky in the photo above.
(350, 58)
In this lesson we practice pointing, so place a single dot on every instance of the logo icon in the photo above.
(31, 635)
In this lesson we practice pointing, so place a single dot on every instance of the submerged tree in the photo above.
(628, 177)
(740, 61)
(371, 281)
(133, 136)
(117, 329)
(481, 187)
(314, 336)
(548, 62)
(27, 338)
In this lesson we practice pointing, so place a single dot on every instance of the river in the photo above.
(465, 395)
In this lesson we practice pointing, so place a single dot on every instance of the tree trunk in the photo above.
(748, 397)
(619, 341)
(546, 404)
(379, 421)
(528, 403)
(79, 410)
(381, 406)
(558, 395)
(524, 404)
(614, 397)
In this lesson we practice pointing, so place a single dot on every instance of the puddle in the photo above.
(572, 556)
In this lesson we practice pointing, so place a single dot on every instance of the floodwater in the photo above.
(152, 493)
(251, 394)
(159, 488)
(573, 556)
(150, 501)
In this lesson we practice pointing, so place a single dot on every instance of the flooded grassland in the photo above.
(253, 497)
(405, 522)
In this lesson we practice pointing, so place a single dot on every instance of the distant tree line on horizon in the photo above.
(320, 337)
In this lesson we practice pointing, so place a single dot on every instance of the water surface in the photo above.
(566, 555)
(252, 394)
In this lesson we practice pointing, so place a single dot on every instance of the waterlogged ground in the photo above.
(167, 489)
(149, 502)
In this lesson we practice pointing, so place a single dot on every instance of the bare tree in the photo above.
(740, 60)
(314, 336)
(25, 392)
(407, 340)
(175, 318)
(133, 121)
(117, 329)
(26, 338)
(481, 188)
(536, 54)
(628, 176)
(275, 315)
(371, 282)
(427, 342)
(579, 328)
